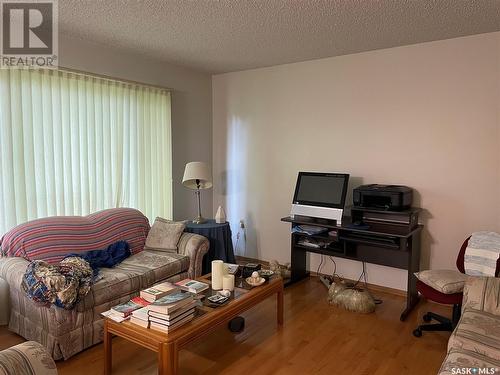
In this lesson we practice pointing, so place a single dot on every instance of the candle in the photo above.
(228, 282)
(217, 274)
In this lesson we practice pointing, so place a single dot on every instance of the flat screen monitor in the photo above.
(321, 189)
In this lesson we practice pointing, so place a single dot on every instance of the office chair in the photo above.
(455, 299)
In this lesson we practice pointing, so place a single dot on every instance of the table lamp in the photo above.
(197, 176)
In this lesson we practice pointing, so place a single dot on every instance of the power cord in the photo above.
(334, 268)
(377, 301)
(320, 266)
(241, 228)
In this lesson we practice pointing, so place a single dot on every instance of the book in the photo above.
(141, 313)
(158, 291)
(114, 316)
(139, 322)
(128, 308)
(174, 320)
(192, 286)
(140, 301)
(166, 328)
(174, 313)
(171, 302)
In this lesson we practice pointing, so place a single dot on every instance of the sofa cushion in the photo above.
(52, 238)
(482, 293)
(164, 235)
(133, 274)
(444, 281)
(477, 331)
(464, 361)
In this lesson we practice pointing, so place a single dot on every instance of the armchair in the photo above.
(29, 358)
(475, 342)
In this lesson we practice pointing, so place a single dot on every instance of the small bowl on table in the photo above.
(266, 274)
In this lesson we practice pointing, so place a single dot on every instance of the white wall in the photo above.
(191, 106)
(425, 115)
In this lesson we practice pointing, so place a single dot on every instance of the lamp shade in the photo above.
(197, 170)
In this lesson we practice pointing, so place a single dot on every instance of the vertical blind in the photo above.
(72, 144)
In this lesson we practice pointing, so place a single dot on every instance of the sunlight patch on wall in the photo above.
(236, 180)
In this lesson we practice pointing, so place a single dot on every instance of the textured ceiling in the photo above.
(227, 35)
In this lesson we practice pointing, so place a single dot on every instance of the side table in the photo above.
(221, 242)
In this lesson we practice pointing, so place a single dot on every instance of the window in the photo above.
(72, 144)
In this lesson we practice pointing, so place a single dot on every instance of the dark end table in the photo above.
(221, 242)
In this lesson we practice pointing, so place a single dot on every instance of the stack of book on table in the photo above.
(171, 312)
(164, 307)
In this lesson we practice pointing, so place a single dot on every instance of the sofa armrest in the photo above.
(195, 247)
(12, 270)
(482, 293)
(28, 358)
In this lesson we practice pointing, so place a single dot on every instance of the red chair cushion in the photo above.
(436, 296)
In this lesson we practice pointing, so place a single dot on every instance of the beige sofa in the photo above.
(65, 333)
(474, 345)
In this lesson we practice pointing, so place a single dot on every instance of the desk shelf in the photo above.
(383, 244)
(376, 227)
(386, 243)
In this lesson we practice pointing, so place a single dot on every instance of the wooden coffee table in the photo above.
(208, 319)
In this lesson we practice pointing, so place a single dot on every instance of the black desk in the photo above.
(221, 242)
(386, 244)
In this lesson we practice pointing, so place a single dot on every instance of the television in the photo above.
(320, 195)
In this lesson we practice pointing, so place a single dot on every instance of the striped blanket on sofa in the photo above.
(52, 238)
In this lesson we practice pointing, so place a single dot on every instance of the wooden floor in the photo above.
(316, 339)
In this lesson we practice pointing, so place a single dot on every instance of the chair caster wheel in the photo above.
(417, 333)
(427, 318)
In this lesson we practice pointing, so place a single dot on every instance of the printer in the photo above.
(384, 197)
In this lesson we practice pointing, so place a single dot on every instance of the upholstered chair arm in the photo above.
(194, 246)
(12, 270)
(28, 358)
(482, 293)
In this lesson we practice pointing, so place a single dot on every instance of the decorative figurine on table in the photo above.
(281, 270)
(255, 279)
(220, 216)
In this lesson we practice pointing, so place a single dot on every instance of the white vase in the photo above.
(220, 216)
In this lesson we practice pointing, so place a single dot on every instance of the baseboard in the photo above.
(373, 287)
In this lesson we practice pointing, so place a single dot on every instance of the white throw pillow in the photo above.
(444, 281)
(164, 235)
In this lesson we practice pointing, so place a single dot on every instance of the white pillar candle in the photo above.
(217, 274)
(228, 282)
